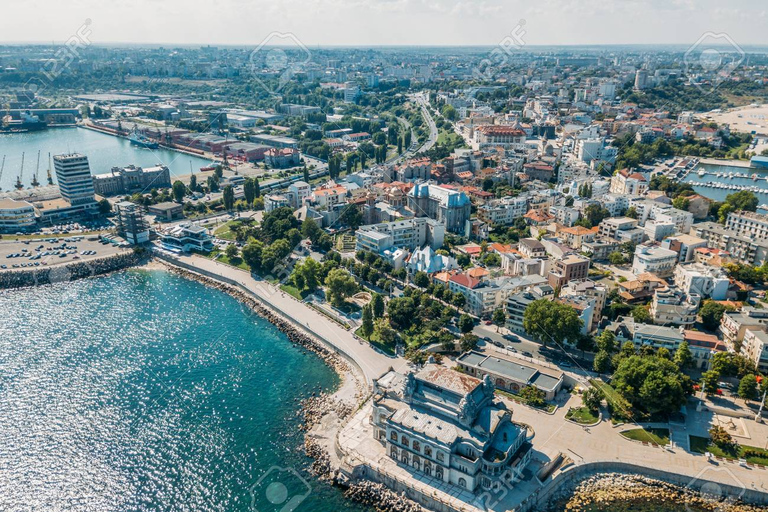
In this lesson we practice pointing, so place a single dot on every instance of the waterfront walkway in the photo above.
(370, 361)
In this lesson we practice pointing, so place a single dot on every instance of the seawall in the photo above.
(23, 278)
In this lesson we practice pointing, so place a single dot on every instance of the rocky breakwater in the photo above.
(377, 495)
(614, 492)
(37, 276)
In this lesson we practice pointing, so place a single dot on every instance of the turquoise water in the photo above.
(143, 391)
(103, 151)
(719, 194)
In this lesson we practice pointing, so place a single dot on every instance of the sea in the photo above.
(103, 152)
(144, 391)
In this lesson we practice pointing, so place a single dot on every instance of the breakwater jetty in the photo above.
(38, 276)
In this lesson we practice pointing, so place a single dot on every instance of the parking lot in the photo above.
(53, 251)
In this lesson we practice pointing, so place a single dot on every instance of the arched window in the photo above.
(428, 468)
(416, 446)
(393, 436)
(462, 483)
(416, 463)
(440, 456)
(404, 457)
(403, 440)
(501, 384)
(428, 451)
(393, 453)
(439, 472)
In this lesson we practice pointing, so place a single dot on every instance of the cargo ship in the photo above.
(140, 140)
(27, 123)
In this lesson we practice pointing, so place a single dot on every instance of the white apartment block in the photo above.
(654, 260)
(402, 234)
(504, 211)
(672, 306)
(702, 280)
(755, 348)
(750, 224)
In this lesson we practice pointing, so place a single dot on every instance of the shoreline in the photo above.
(323, 414)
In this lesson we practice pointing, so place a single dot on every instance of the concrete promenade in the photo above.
(370, 361)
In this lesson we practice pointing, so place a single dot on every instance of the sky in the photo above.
(387, 22)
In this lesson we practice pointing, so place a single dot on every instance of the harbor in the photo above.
(21, 165)
(717, 180)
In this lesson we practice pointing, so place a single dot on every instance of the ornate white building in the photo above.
(445, 424)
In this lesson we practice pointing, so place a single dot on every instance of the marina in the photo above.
(19, 153)
(716, 181)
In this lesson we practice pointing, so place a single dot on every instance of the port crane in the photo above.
(20, 185)
(35, 182)
(2, 166)
(50, 178)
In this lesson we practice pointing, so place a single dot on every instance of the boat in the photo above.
(140, 140)
(702, 173)
(754, 177)
(26, 123)
(209, 168)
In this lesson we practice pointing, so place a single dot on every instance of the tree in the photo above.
(721, 438)
(641, 315)
(306, 274)
(742, 200)
(231, 251)
(711, 313)
(681, 203)
(179, 191)
(339, 285)
(256, 187)
(499, 318)
(249, 190)
(105, 207)
(252, 254)
(533, 396)
(709, 382)
(606, 342)
(458, 300)
(306, 174)
(193, 182)
(228, 198)
(399, 146)
(592, 398)
(310, 230)
(421, 279)
(274, 253)
(651, 383)
(466, 324)
(617, 258)
(401, 312)
(468, 342)
(748, 387)
(547, 320)
(602, 362)
(683, 356)
(377, 305)
(384, 332)
(367, 327)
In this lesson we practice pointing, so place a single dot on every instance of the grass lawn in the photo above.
(658, 436)
(516, 398)
(445, 137)
(582, 415)
(753, 454)
(235, 262)
(376, 343)
(293, 291)
(224, 231)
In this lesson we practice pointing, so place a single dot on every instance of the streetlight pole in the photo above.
(759, 417)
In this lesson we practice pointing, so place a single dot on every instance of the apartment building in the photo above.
(570, 267)
(672, 306)
(755, 348)
(655, 260)
(735, 324)
(626, 182)
(743, 249)
(749, 224)
(402, 234)
(702, 280)
(503, 211)
(517, 304)
(684, 245)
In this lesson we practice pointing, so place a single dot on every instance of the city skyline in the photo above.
(393, 23)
